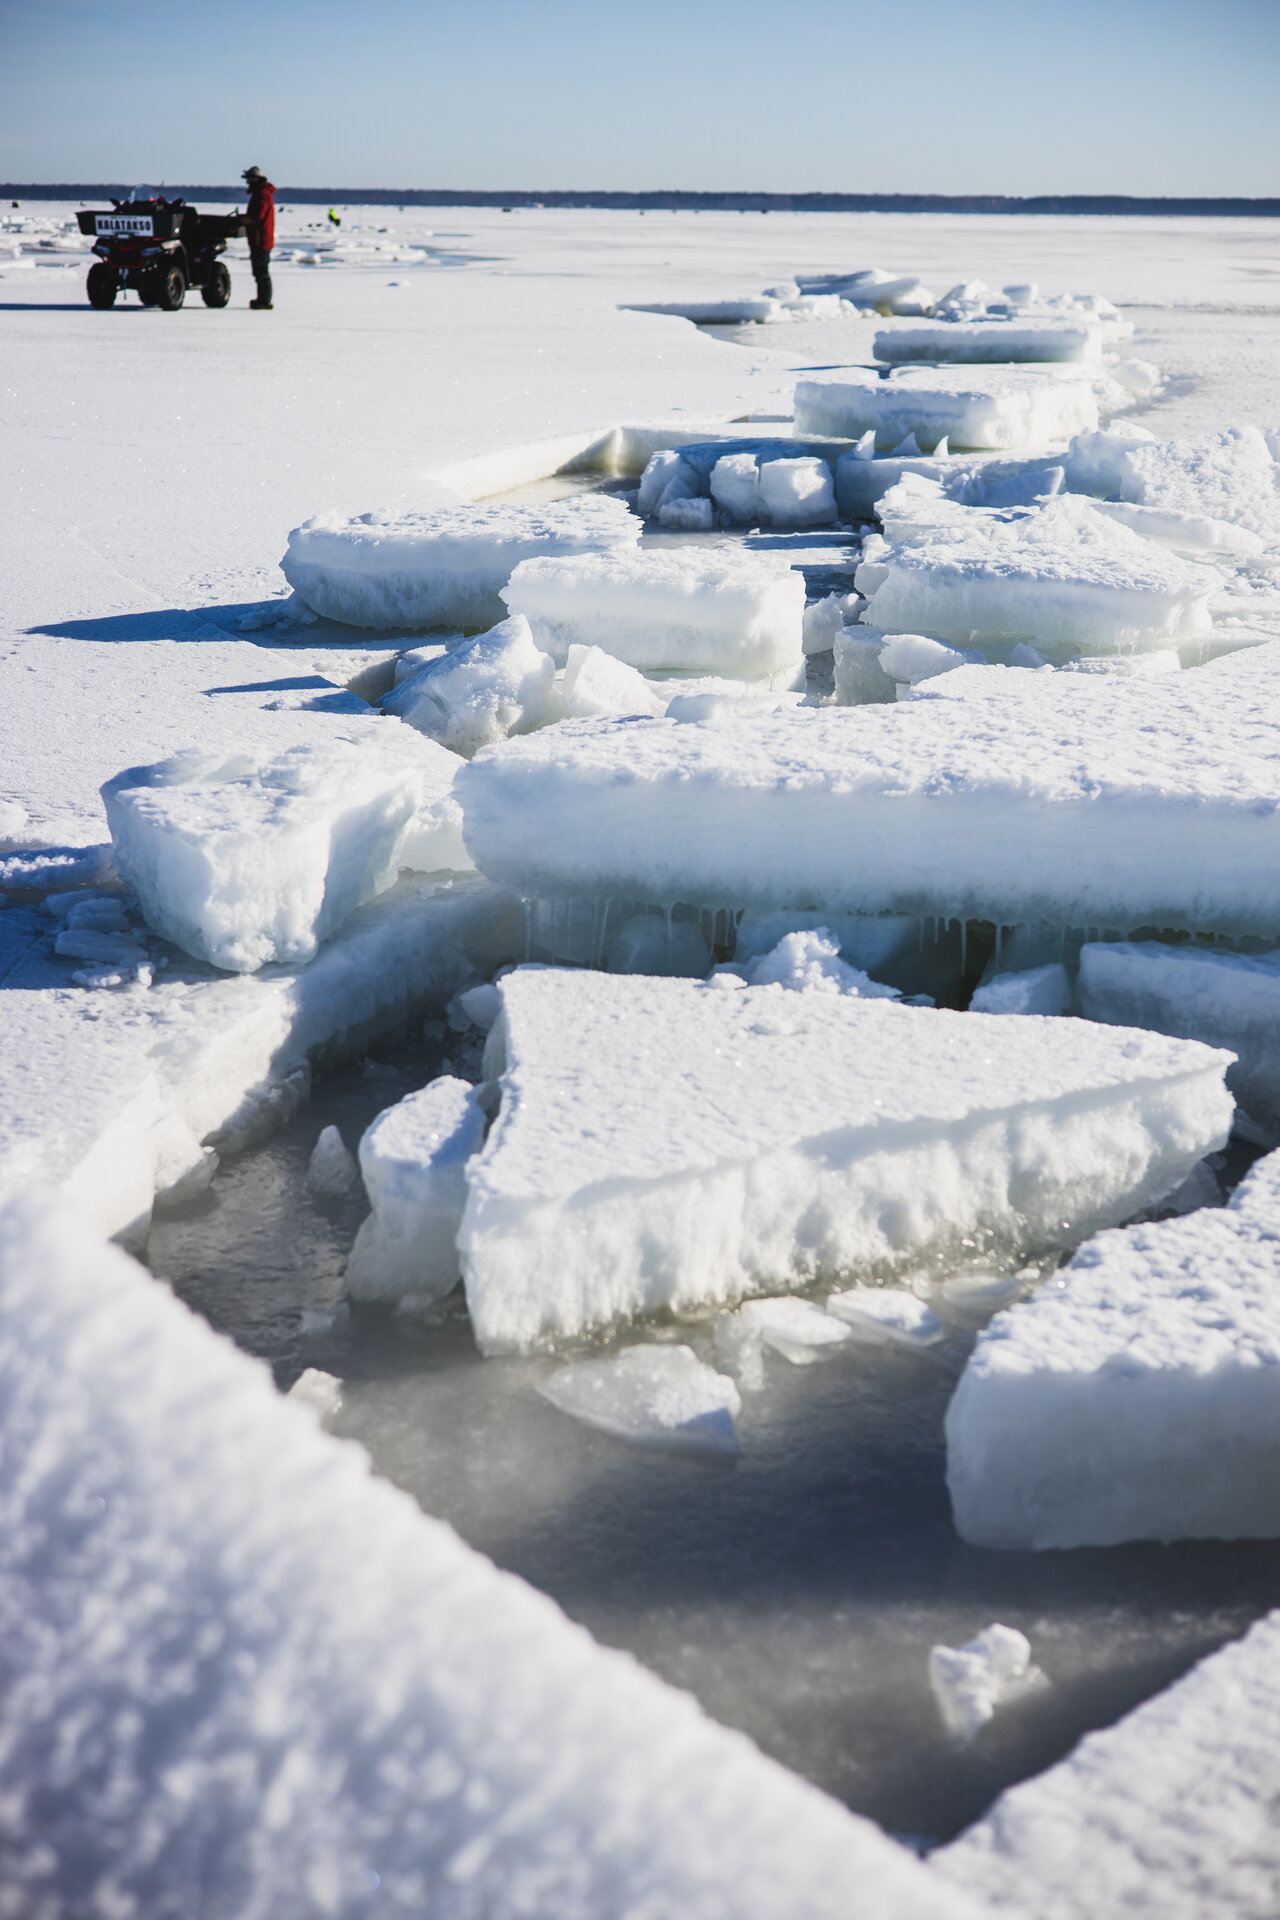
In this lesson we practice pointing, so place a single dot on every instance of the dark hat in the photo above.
(253, 173)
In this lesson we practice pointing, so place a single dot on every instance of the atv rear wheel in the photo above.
(102, 285)
(216, 290)
(171, 289)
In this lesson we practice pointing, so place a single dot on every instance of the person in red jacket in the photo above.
(260, 229)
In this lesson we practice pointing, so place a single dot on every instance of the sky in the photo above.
(900, 96)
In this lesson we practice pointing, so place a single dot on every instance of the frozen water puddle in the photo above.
(797, 1587)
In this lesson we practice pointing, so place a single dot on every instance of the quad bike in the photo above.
(159, 248)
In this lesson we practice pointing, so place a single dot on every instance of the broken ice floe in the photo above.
(886, 1316)
(654, 1396)
(247, 860)
(970, 1682)
(331, 1170)
(319, 1392)
(993, 342)
(1169, 1813)
(1045, 990)
(795, 1330)
(441, 568)
(1229, 1000)
(413, 1159)
(725, 1143)
(1134, 1396)
(693, 610)
(480, 692)
(997, 407)
(1009, 796)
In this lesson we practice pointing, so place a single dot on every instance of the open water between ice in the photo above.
(796, 1590)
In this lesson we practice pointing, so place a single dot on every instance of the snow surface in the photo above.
(992, 793)
(1002, 407)
(441, 568)
(413, 1159)
(1167, 1816)
(662, 1143)
(240, 1670)
(242, 861)
(693, 610)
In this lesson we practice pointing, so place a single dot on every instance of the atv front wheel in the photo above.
(102, 285)
(149, 289)
(172, 289)
(216, 290)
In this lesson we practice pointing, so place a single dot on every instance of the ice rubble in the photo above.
(480, 692)
(807, 960)
(991, 794)
(441, 568)
(1229, 1000)
(1065, 577)
(997, 407)
(993, 342)
(413, 1159)
(240, 1668)
(971, 1681)
(245, 860)
(166, 1078)
(662, 1143)
(1134, 1397)
(594, 683)
(1170, 1815)
(654, 1396)
(695, 610)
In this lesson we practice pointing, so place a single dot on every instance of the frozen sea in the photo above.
(157, 465)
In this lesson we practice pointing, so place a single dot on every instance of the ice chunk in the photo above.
(860, 680)
(809, 962)
(867, 941)
(481, 692)
(596, 683)
(910, 658)
(796, 1330)
(1142, 378)
(1092, 463)
(824, 619)
(687, 515)
(1135, 1397)
(1002, 407)
(1229, 1000)
(727, 1143)
(1064, 577)
(971, 1681)
(730, 310)
(1044, 989)
(444, 568)
(1168, 1815)
(1002, 342)
(654, 943)
(1012, 797)
(666, 471)
(250, 860)
(1188, 532)
(698, 609)
(653, 1396)
(735, 487)
(1228, 476)
(413, 1159)
(797, 493)
(319, 1392)
(331, 1169)
(283, 1678)
(886, 1316)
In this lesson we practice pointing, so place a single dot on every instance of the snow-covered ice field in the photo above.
(753, 1502)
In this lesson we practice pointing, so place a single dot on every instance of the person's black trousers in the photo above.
(260, 263)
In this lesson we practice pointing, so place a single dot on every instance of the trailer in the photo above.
(159, 248)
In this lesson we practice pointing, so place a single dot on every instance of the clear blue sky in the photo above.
(993, 96)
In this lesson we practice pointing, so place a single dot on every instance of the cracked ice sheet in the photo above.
(661, 1143)
(378, 1710)
(992, 793)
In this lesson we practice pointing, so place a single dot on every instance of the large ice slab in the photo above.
(662, 1143)
(1227, 999)
(1229, 476)
(1135, 1397)
(1002, 407)
(699, 609)
(1168, 1816)
(244, 1675)
(991, 794)
(245, 860)
(988, 342)
(443, 568)
(498, 684)
(413, 1159)
(1065, 577)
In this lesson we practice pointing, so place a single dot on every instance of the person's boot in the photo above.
(262, 306)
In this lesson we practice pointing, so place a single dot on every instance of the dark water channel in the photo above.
(797, 1590)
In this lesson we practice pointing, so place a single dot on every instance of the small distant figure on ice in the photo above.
(260, 229)
(334, 218)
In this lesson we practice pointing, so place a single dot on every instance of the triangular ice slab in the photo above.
(663, 1143)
